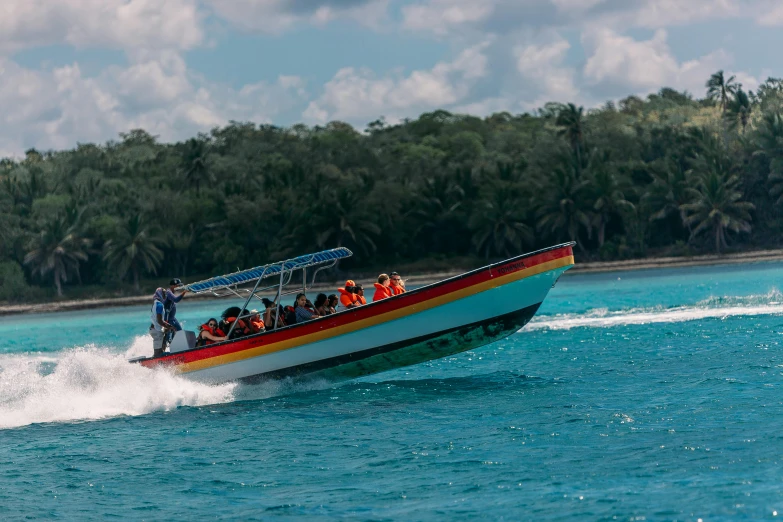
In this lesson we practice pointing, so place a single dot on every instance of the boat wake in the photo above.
(712, 308)
(91, 383)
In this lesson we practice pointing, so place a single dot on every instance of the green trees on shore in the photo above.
(668, 174)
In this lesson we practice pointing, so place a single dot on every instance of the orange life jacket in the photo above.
(361, 300)
(397, 290)
(257, 326)
(347, 298)
(381, 292)
(241, 326)
(217, 332)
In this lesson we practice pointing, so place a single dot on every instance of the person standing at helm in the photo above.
(171, 302)
(348, 296)
(397, 284)
(159, 327)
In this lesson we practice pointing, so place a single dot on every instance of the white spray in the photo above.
(713, 308)
(91, 383)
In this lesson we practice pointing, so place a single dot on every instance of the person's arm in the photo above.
(163, 323)
(176, 298)
(211, 337)
(159, 316)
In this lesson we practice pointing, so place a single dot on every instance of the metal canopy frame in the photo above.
(229, 285)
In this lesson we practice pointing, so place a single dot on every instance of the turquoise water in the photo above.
(632, 396)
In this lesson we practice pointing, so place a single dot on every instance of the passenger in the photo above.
(271, 314)
(159, 327)
(302, 312)
(382, 290)
(171, 302)
(322, 305)
(397, 284)
(348, 296)
(281, 313)
(255, 322)
(289, 313)
(210, 333)
(269, 311)
(230, 316)
(359, 291)
(333, 303)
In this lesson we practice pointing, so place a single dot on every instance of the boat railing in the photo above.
(235, 284)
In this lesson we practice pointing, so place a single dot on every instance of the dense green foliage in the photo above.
(667, 174)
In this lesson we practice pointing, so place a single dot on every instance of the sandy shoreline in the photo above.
(759, 256)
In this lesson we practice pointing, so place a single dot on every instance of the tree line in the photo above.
(666, 174)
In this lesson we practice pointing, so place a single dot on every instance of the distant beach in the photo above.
(759, 256)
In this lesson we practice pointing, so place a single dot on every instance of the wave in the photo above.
(712, 308)
(91, 383)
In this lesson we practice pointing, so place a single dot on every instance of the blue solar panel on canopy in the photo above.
(260, 272)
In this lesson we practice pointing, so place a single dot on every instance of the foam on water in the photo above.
(92, 383)
(714, 307)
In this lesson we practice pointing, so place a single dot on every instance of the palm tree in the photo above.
(136, 247)
(571, 122)
(737, 112)
(719, 88)
(497, 223)
(563, 209)
(341, 218)
(437, 208)
(668, 192)
(769, 140)
(195, 165)
(58, 249)
(717, 204)
(607, 194)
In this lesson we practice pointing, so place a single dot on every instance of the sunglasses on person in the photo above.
(396, 279)
(213, 325)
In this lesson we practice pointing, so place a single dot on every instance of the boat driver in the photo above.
(171, 302)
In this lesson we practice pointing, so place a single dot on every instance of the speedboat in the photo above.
(430, 322)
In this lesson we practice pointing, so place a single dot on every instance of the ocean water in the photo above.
(650, 395)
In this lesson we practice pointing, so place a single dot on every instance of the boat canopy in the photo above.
(260, 272)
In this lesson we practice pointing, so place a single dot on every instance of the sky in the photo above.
(77, 71)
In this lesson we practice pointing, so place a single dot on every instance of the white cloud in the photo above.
(358, 95)
(124, 24)
(441, 15)
(56, 109)
(770, 13)
(620, 63)
(541, 66)
(453, 17)
(666, 13)
(275, 16)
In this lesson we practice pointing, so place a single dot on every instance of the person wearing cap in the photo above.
(255, 321)
(171, 302)
(397, 284)
(159, 326)
(348, 297)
